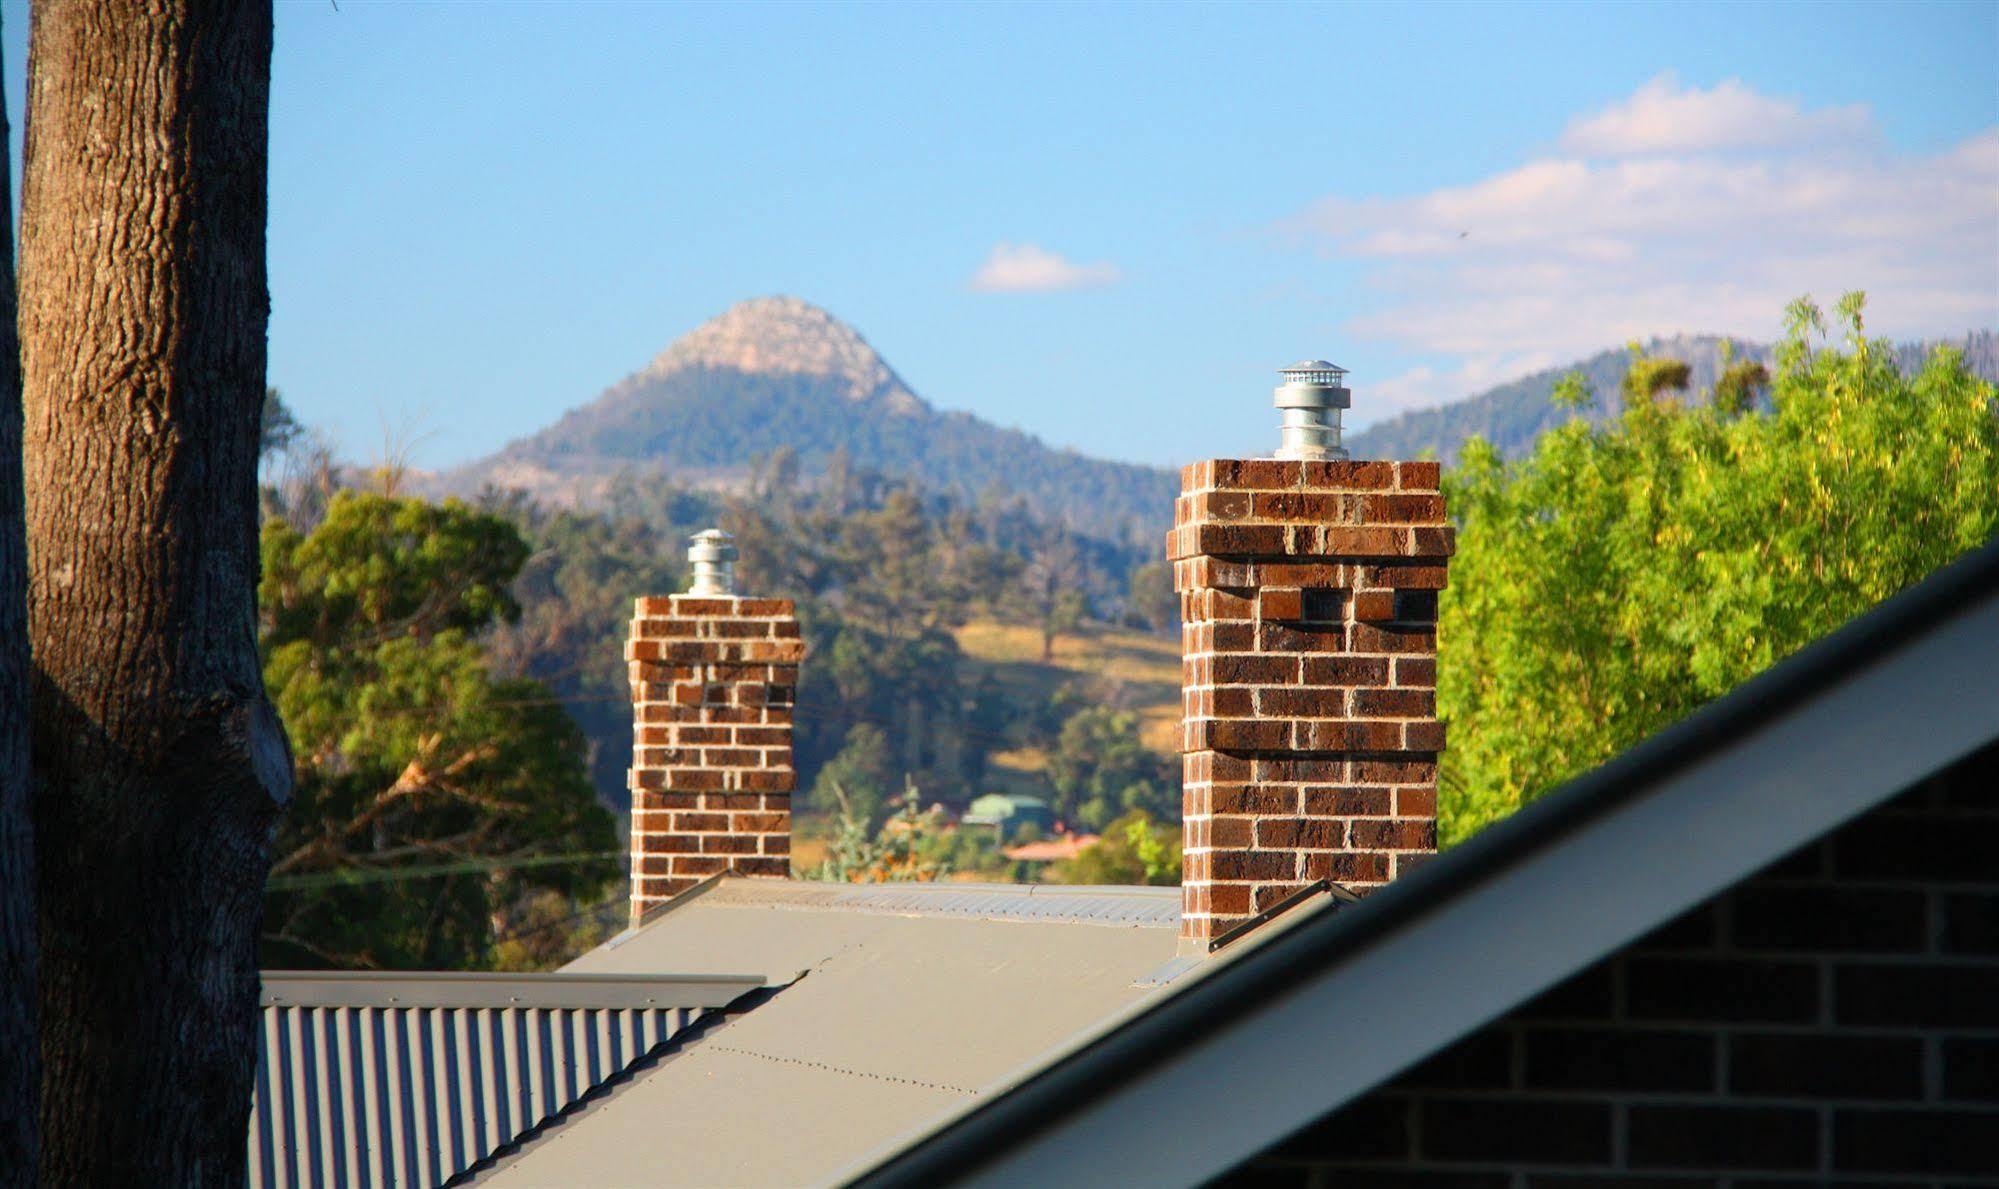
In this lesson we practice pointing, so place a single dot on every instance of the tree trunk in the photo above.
(159, 765)
(20, 1070)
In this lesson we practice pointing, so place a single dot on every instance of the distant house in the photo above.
(1008, 812)
(1760, 949)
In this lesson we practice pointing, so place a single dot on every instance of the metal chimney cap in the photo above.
(1313, 384)
(711, 544)
(1315, 365)
(713, 554)
(1312, 395)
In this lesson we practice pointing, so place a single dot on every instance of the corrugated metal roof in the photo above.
(914, 999)
(399, 1080)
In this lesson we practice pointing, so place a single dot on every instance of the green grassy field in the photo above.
(1132, 670)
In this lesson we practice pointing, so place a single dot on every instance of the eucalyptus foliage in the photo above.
(432, 796)
(910, 846)
(1624, 574)
(1134, 849)
(1101, 770)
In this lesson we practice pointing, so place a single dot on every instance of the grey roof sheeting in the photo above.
(907, 1001)
(1330, 1004)
(408, 1080)
(1054, 903)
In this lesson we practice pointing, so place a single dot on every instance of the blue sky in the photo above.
(1104, 224)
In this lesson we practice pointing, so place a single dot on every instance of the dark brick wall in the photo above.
(1832, 1021)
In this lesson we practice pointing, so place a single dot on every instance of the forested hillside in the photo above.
(884, 571)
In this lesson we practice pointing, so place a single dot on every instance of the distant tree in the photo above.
(1101, 770)
(300, 479)
(902, 849)
(575, 592)
(1737, 387)
(1051, 590)
(860, 779)
(1133, 850)
(431, 793)
(1740, 383)
(547, 929)
(1624, 574)
(1572, 391)
(1151, 602)
(277, 429)
(1650, 376)
(158, 763)
(890, 581)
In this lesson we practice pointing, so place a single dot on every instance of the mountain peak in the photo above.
(786, 336)
(778, 373)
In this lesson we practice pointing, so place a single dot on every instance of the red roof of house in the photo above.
(1049, 850)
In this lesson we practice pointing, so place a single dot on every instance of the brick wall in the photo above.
(713, 682)
(1832, 1021)
(1308, 598)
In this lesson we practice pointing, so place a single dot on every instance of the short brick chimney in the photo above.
(1308, 594)
(713, 677)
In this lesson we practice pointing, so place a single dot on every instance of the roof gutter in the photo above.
(432, 989)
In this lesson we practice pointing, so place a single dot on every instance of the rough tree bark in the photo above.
(20, 1071)
(159, 765)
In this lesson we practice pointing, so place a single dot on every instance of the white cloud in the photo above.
(1673, 211)
(1663, 117)
(1026, 268)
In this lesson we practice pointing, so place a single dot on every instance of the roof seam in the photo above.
(842, 1069)
(947, 914)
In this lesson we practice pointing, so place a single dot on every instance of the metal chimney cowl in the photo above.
(1311, 397)
(713, 555)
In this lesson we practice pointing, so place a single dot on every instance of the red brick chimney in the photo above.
(1308, 593)
(713, 683)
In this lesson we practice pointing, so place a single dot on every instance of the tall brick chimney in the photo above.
(713, 682)
(1308, 594)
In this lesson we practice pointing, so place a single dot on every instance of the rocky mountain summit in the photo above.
(784, 336)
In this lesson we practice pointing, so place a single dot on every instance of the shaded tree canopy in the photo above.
(431, 793)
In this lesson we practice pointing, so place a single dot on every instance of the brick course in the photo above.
(1831, 1021)
(713, 686)
(1309, 738)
